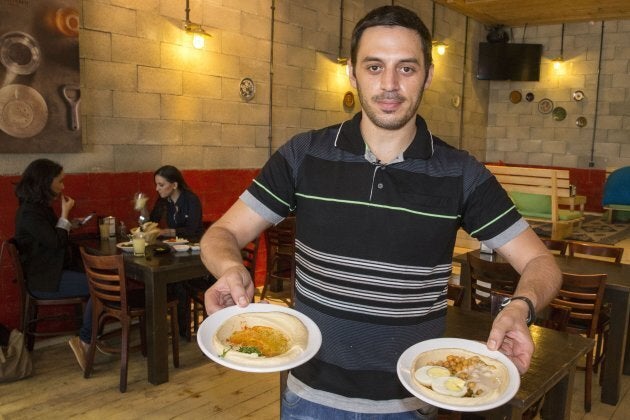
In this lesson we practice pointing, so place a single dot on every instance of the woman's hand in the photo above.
(67, 204)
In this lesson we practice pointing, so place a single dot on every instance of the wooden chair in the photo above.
(583, 293)
(487, 276)
(280, 242)
(112, 301)
(555, 245)
(612, 253)
(196, 289)
(30, 305)
(455, 293)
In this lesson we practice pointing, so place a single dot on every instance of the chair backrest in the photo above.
(583, 293)
(455, 292)
(612, 252)
(281, 238)
(557, 317)
(555, 245)
(487, 276)
(250, 255)
(106, 277)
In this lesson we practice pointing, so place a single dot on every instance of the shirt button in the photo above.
(380, 186)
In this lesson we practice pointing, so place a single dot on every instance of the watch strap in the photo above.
(531, 317)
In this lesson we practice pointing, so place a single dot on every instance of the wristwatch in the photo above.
(531, 317)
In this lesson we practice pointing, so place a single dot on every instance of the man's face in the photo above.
(390, 76)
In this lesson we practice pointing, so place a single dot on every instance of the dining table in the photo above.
(551, 372)
(617, 295)
(156, 270)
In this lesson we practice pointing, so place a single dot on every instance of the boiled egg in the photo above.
(426, 374)
(449, 385)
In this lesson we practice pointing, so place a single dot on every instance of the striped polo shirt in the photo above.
(374, 246)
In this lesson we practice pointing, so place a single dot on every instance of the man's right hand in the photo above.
(234, 287)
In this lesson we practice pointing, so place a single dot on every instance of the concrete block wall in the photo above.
(149, 98)
(520, 134)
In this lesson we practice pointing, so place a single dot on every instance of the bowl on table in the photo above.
(181, 247)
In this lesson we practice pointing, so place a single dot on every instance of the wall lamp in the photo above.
(557, 62)
(440, 47)
(195, 29)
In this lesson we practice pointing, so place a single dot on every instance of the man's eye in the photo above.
(374, 67)
(407, 69)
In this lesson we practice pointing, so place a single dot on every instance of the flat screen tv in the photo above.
(505, 61)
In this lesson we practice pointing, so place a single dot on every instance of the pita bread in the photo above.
(494, 383)
(284, 334)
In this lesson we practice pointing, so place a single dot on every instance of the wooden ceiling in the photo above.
(539, 12)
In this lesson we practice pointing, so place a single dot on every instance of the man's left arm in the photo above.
(540, 281)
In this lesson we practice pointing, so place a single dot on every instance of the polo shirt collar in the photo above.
(349, 138)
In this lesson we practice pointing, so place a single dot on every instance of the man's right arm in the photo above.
(221, 253)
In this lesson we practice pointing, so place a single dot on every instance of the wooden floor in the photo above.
(198, 389)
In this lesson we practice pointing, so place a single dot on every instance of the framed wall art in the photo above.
(40, 90)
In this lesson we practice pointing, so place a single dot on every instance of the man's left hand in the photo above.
(511, 337)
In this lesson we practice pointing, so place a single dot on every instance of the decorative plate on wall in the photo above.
(581, 122)
(559, 113)
(348, 99)
(578, 95)
(545, 106)
(515, 96)
(529, 97)
(247, 89)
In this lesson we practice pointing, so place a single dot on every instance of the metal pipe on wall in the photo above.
(591, 163)
(270, 122)
(461, 109)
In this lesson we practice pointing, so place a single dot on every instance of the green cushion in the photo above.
(531, 203)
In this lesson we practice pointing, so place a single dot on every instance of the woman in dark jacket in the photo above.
(178, 205)
(42, 239)
(182, 210)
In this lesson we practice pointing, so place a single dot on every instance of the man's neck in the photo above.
(385, 144)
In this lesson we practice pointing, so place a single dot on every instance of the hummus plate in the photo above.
(427, 351)
(303, 335)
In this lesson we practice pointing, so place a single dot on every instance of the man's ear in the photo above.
(427, 82)
(350, 71)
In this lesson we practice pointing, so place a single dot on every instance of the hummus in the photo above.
(490, 377)
(285, 326)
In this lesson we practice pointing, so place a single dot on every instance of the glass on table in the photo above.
(139, 244)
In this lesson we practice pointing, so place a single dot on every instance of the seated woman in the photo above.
(181, 209)
(177, 205)
(42, 239)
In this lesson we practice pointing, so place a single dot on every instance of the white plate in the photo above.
(125, 246)
(210, 325)
(175, 241)
(406, 360)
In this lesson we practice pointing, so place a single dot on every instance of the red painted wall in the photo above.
(111, 194)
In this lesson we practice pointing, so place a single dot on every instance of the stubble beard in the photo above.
(389, 121)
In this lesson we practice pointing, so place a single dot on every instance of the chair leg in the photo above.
(30, 325)
(143, 336)
(175, 334)
(93, 339)
(588, 381)
(124, 353)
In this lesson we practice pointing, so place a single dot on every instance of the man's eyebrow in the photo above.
(404, 60)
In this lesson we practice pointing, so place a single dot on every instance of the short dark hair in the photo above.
(172, 174)
(36, 181)
(393, 16)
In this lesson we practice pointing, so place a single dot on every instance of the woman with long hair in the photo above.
(43, 238)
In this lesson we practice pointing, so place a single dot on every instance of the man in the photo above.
(378, 201)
